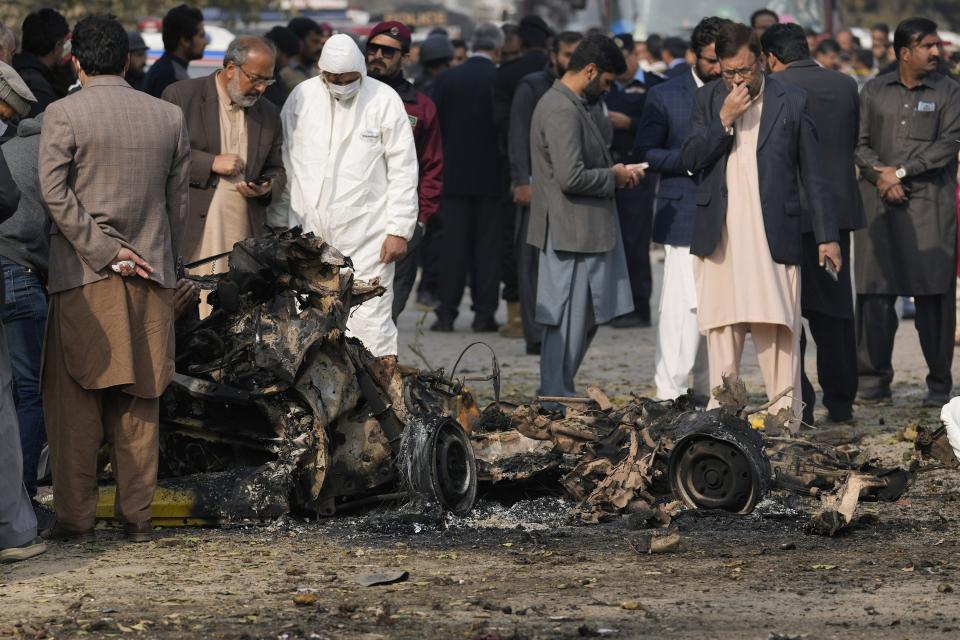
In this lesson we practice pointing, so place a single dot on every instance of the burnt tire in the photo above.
(437, 464)
(718, 462)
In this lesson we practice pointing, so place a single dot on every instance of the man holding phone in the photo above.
(583, 280)
(236, 162)
(756, 144)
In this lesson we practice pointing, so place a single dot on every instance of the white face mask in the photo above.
(344, 91)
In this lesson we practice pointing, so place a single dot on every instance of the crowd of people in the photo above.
(535, 166)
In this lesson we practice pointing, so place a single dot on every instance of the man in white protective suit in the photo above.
(352, 178)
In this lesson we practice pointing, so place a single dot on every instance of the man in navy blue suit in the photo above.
(624, 102)
(660, 135)
(470, 207)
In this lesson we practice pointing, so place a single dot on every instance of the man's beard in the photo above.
(381, 72)
(561, 71)
(705, 77)
(594, 91)
(238, 98)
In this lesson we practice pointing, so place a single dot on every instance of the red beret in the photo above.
(396, 30)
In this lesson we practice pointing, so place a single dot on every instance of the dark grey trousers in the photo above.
(18, 523)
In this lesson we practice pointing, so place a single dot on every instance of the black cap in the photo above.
(624, 42)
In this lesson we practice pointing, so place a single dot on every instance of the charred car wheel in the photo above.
(718, 463)
(438, 465)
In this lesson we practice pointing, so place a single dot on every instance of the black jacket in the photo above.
(788, 151)
(164, 72)
(509, 76)
(471, 159)
(39, 78)
(834, 103)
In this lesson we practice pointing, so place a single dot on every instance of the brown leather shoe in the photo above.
(59, 532)
(139, 531)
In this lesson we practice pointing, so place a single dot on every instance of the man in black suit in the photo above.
(471, 205)
(756, 144)
(535, 38)
(827, 304)
(625, 101)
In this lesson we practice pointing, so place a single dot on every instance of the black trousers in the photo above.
(836, 365)
(472, 235)
(406, 273)
(877, 323)
(528, 265)
(508, 255)
(428, 256)
(828, 307)
(635, 209)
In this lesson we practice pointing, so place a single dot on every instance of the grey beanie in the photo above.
(435, 48)
(14, 91)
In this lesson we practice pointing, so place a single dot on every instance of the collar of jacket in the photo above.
(105, 81)
(25, 60)
(402, 86)
(177, 59)
(806, 63)
(565, 90)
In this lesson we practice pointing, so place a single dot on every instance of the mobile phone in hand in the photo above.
(262, 180)
(828, 267)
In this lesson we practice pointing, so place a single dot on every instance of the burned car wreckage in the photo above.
(274, 409)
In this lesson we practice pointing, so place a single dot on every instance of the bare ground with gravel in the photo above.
(524, 572)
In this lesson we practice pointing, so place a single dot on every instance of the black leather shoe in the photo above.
(533, 348)
(632, 320)
(442, 326)
(874, 396)
(484, 325)
(427, 301)
(138, 531)
(935, 399)
(57, 532)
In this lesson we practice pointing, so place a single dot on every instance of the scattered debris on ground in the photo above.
(274, 410)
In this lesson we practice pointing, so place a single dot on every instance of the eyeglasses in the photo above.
(385, 51)
(744, 72)
(256, 80)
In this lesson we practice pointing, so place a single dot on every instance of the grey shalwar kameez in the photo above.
(583, 279)
(911, 248)
(576, 293)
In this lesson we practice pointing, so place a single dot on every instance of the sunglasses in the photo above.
(387, 52)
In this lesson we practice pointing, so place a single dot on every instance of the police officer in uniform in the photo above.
(634, 206)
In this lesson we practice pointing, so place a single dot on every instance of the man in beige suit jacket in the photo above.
(114, 166)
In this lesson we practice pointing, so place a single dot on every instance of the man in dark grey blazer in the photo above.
(583, 279)
(756, 144)
(827, 304)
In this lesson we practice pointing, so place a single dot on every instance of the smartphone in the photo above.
(261, 180)
(828, 267)
(641, 166)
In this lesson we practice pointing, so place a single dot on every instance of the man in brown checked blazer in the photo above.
(113, 172)
(236, 163)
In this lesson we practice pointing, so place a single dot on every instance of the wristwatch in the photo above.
(901, 173)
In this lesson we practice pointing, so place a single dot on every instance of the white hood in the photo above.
(342, 55)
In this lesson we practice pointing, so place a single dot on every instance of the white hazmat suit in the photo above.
(351, 178)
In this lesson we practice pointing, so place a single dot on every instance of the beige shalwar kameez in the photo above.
(228, 219)
(740, 288)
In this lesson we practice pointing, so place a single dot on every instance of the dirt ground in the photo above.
(522, 571)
